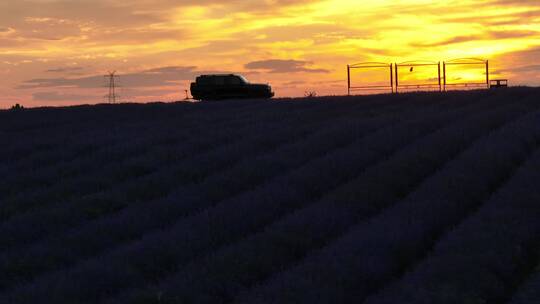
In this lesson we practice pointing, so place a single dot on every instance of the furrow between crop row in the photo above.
(485, 257)
(145, 139)
(332, 138)
(326, 166)
(149, 186)
(373, 252)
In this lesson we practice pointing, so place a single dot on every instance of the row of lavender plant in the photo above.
(34, 129)
(220, 276)
(81, 139)
(243, 174)
(96, 152)
(485, 258)
(17, 170)
(209, 127)
(60, 181)
(165, 119)
(529, 292)
(375, 251)
(37, 120)
(80, 144)
(124, 116)
(65, 132)
(200, 120)
(346, 162)
(20, 145)
(163, 211)
(233, 149)
(191, 169)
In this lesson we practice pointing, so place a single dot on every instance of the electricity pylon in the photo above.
(112, 96)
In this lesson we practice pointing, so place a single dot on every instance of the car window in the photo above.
(243, 79)
(233, 80)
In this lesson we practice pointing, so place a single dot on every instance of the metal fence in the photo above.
(439, 81)
(481, 63)
(424, 84)
(370, 65)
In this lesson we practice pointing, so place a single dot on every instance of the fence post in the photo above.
(487, 74)
(439, 75)
(348, 80)
(397, 77)
(391, 78)
(444, 75)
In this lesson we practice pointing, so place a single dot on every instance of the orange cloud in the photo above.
(309, 42)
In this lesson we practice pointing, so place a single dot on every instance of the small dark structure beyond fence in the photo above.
(439, 81)
(498, 83)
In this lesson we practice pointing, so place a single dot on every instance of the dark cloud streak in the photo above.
(283, 66)
(492, 35)
(64, 70)
(158, 77)
(56, 96)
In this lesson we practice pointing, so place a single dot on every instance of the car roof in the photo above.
(218, 75)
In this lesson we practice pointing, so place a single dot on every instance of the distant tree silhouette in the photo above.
(17, 107)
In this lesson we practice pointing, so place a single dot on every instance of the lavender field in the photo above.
(404, 198)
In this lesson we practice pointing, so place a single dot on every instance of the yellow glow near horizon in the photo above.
(299, 45)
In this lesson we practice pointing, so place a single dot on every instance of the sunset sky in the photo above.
(55, 52)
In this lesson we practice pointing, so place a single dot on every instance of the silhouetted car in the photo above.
(213, 87)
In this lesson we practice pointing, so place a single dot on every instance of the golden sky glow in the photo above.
(55, 52)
